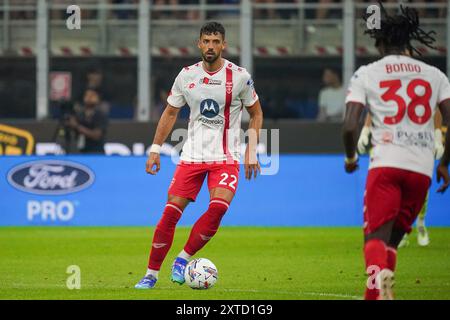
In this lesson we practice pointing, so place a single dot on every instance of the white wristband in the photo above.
(155, 148)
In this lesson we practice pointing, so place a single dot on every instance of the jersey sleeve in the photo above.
(356, 90)
(176, 97)
(444, 88)
(248, 93)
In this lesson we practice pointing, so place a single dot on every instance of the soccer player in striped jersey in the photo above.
(216, 91)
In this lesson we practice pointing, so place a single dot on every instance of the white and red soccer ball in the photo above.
(200, 273)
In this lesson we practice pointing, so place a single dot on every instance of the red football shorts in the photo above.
(393, 194)
(189, 176)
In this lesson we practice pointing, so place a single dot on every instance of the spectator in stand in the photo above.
(442, 12)
(220, 14)
(324, 12)
(25, 14)
(190, 14)
(90, 124)
(86, 13)
(94, 81)
(176, 14)
(431, 12)
(269, 13)
(331, 97)
(288, 13)
(124, 13)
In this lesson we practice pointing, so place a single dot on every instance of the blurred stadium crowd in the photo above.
(321, 13)
(295, 86)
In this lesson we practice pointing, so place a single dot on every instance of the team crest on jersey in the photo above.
(229, 87)
(209, 108)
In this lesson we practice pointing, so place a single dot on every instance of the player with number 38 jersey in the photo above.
(401, 94)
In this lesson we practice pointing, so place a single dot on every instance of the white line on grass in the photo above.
(323, 294)
(93, 287)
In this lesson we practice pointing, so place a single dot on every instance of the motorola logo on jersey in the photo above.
(209, 108)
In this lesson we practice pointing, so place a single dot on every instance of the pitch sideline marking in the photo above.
(323, 294)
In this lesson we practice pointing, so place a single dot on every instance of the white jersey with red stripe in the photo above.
(402, 95)
(216, 101)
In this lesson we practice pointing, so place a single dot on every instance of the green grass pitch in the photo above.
(253, 263)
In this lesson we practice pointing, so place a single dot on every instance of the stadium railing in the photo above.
(269, 30)
(112, 29)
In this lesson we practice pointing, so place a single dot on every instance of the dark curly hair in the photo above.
(212, 28)
(397, 32)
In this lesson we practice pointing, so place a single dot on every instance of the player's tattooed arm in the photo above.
(442, 169)
(251, 163)
(350, 134)
(165, 126)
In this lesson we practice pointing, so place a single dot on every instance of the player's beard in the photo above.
(211, 58)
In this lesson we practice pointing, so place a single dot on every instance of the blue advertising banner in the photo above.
(307, 190)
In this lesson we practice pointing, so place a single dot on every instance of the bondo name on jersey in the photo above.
(402, 67)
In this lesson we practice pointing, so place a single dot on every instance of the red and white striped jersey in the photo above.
(216, 101)
(402, 94)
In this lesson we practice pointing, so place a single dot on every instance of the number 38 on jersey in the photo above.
(418, 107)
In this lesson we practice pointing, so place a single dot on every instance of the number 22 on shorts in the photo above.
(225, 180)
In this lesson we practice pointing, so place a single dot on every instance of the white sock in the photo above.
(152, 272)
(183, 254)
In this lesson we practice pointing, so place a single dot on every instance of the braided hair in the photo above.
(397, 32)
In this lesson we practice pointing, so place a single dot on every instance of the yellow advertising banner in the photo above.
(15, 141)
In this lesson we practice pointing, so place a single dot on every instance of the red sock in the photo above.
(376, 260)
(206, 227)
(391, 258)
(164, 233)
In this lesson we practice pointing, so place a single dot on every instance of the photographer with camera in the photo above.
(90, 124)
